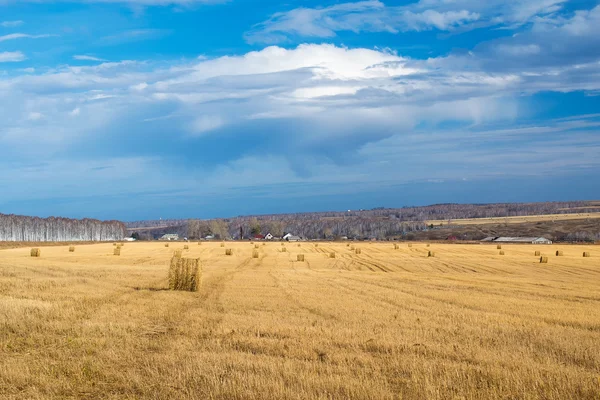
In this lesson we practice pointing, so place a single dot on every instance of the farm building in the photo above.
(291, 238)
(169, 236)
(268, 236)
(528, 240)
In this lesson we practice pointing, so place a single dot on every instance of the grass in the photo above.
(383, 324)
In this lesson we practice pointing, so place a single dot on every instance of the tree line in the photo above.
(18, 228)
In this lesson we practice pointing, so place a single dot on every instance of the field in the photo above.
(384, 324)
(515, 220)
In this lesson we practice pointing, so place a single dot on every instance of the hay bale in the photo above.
(166, 244)
(36, 252)
(299, 245)
(114, 244)
(177, 253)
(251, 242)
(501, 252)
(586, 254)
(428, 245)
(255, 254)
(283, 249)
(409, 245)
(222, 244)
(396, 247)
(199, 243)
(347, 244)
(71, 249)
(431, 254)
(499, 246)
(228, 252)
(539, 253)
(358, 251)
(256, 246)
(332, 255)
(300, 257)
(559, 253)
(117, 251)
(186, 247)
(543, 260)
(316, 244)
(185, 274)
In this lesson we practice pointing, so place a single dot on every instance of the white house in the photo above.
(268, 236)
(169, 236)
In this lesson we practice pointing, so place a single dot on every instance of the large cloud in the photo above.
(313, 116)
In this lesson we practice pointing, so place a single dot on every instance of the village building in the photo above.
(169, 236)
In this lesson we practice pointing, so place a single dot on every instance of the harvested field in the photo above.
(383, 324)
(515, 220)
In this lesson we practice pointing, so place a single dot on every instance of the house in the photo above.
(209, 237)
(528, 240)
(258, 237)
(286, 236)
(169, 236)
(292, 238)
(268, 236)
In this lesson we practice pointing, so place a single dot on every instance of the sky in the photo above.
(147, 109)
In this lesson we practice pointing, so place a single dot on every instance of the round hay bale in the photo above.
(499, 247)
(283, 244)
(332, 255)
(409, 245)
(114, 244)
(358, 251)
(117, 251)
(186, 247)
(255, 254)
(283, 249)
(300, 257)
(256, 246)
(347, 244)
(559, 253)
(396, 247)
(316, 244)
(35, 252)
(299, 245)
(431, 254)
(71, 249)
(222, 244)
(586, 254)
(166, 244)
(501, 252)
(428, 245)
(538, 253)
(177, 253)
(199, 243)
(228, 252)
(543, 260)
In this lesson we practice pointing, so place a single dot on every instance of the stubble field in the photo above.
(384, 324)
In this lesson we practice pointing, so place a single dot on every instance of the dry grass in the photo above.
(516, 220)
(384, 324)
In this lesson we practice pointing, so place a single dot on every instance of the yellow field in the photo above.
(514, 220)
(385, 324)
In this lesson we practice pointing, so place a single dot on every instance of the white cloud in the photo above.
(377, 16)
(12, 56)
(14, 36)
(87, 58)
(11, 24)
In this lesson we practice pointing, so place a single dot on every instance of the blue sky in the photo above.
(140, 109)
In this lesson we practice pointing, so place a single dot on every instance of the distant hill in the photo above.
(379, 223)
